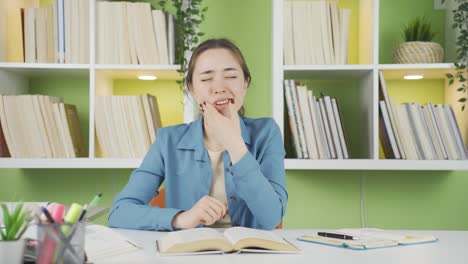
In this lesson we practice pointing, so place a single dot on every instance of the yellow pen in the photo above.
(71, 217)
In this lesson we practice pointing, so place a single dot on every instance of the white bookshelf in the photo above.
(74, 163)
(366, 74)
(15, 78)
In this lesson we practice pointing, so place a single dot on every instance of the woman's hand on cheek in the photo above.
(226, 130)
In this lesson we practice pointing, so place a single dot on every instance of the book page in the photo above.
(242, 237)
(235, 234)
(192, 240)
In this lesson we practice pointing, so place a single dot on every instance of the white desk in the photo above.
(452, 248)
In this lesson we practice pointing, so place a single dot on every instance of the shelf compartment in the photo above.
(124, 82)
(354, 93)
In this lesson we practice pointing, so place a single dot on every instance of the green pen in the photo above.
(95, 201)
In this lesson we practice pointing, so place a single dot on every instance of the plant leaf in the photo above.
(20, 234)
(16, 225)
(6, 217)
(449, 75)
(460, 89)
(462, 100)
(451, 81)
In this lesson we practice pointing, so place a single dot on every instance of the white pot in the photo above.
(11, 251)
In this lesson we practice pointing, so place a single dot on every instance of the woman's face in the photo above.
(217, 78)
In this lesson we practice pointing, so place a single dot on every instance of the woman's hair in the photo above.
(218, 43)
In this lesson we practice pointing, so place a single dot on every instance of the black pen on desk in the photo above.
(338, 236)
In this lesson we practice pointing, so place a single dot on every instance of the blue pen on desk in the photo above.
(47, 214)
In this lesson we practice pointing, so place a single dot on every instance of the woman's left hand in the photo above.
(225, 129)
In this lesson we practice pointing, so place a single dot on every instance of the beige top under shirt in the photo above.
(218, 189)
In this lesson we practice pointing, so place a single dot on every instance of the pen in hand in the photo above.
(338, 236)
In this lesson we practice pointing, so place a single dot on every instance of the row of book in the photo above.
(315, 32)
(38, 126)
(418, 132)
(57, 33)
(315, 123)
(132, 33)
(126, 126)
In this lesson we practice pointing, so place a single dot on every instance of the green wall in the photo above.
(317, 199)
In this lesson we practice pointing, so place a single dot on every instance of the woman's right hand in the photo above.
(206, 211)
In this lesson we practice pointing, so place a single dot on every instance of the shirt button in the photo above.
(232, 198)
(232, 174)
(227, 169)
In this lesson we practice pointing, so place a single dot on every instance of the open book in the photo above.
(234, 239)
(367, 238)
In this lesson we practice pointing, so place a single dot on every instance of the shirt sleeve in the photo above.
(131, 208)
(262, 183)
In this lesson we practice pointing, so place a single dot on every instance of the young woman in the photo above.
(220, 170)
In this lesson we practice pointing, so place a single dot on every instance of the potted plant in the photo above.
(418, 46)
(459, 78)
(11, 244)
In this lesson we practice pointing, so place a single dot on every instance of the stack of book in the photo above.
(315, 123)
(315, 32)
(418, 132)
(38, 126)
(56, 33)
(132, 33)
(126, 126)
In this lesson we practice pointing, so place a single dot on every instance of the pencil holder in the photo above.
(61, 243)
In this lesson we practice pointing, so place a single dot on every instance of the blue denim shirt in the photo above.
(255, 185)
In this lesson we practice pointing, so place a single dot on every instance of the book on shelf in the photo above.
(455, 132)
(310, 136)
(292, 119)
(365, 238)
(333, 126)
(4, 152)
(326, 125)
(11, 29)
(315, 32)
(391, 127)
(235, 239)
(126, 126)
(37, 126)
(316, 124)
(324, 151)
(387, 137)
(133, 33)
(73, 125)
(340, 127)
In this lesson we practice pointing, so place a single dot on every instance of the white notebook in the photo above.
(102, 242)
